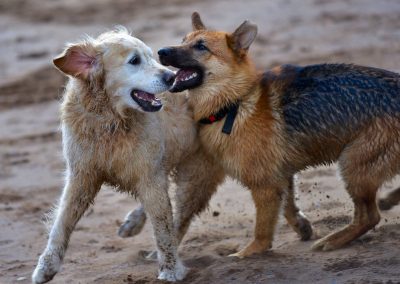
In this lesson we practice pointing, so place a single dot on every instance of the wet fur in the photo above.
(108, 139)
(291, 118)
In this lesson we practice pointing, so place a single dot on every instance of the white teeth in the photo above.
(155, 103)
(193, 75)
(190, 77)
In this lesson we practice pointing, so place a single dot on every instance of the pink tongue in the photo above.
(145, 96)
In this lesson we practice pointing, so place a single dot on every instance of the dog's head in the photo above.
(207, 56)
(121, 66)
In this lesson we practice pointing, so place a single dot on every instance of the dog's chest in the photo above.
(125, 161)
(251, 153)
(223, 148)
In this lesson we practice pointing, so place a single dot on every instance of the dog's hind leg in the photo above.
(197, 180)
(366, 216)
(392, 199)
(364, 165)
(77, 195)
(133, 223)
(295, 218)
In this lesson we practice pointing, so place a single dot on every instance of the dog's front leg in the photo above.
(77, 195)
(154, 197)
(267, 201)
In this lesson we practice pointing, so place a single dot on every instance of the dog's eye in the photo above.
(135, 60)
(200, 46)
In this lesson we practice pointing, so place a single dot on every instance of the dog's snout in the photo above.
(166, 51)
(168, 77)
(167, 54)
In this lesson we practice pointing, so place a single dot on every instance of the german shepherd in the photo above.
(264, 128)
(115, 131)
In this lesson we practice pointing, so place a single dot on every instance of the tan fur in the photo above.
(247, 153)
(108, 139)
(259, 151)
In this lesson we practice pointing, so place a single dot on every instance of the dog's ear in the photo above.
(241, 39)
(78, 60)
(197, 24)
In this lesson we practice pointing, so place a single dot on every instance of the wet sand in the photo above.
(31, 165)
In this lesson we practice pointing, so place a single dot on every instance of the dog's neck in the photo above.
(95, 109)
(210, 98)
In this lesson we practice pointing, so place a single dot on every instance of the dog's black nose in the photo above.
(168, 77)
(166, 51)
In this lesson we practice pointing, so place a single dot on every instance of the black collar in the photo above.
(230, 111)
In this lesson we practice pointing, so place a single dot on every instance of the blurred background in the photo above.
(32, 32)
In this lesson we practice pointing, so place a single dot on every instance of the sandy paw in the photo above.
(151, 255)
(48, 266)
(385, 204)
(133, 224)
(236, 254)
(323, 244)
(254, 247)
(305, 229)
(173, 275)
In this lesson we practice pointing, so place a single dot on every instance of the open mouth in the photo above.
(187, 78)
(147, 101)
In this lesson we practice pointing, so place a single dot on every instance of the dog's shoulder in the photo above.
(279, 77)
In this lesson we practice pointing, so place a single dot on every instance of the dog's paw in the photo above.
(151, 255)
(305, 230)
(236, 254)
(255, 247)
(180, 271)
(170, 275)
(133, 224)
(328, 243)
(385, 204)
(48, 265)
(322, 245)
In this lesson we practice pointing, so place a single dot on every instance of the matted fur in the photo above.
(108, 138)
(291, 118)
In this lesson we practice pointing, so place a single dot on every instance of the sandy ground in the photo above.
(303, 32)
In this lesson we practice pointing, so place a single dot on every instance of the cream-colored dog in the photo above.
(115, 131)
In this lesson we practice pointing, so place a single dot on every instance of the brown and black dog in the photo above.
(264, 128)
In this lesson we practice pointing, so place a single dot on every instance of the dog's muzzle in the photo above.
(165, 54)
(190, 74)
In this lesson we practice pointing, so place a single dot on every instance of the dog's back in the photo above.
(337, 98)
(333, 104)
